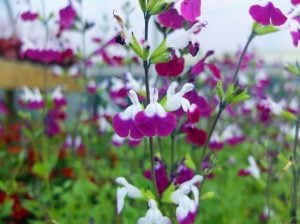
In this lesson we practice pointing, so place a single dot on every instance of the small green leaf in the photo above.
(6, 208)
(240, 97)
(229, 93)
(288, 115)
(41, 169)
(293, 69)
(143, 5)
(165, 57)
(136, 47)
(208, 195)
(159, 7)
(166, 197)
(220, 90)
(189, 162)
(162, 48)
(262, 30)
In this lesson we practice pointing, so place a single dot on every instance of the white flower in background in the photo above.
(176, 100)
(126, 189)
(232, 131)
(181, 38)
(253, 168)
(153, 215)
(276, 108)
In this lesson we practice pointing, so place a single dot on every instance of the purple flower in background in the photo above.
(267, 15)
(295, 2)
(58, 98)
(154, 120)
(67, 17)
(162, 179)
(183, 174)
(295, 30)
(29, 16)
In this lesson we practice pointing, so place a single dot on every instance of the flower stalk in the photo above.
(295, 170)
(146, 66)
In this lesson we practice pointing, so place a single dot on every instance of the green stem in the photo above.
(295, 172)
(238, 67)
(172, 152)
(146, 65)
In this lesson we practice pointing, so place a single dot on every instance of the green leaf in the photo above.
(208, 195)
(262, 30)
(240, 97)
(6, 208)
(189, 162)
(166, 197)
(220, 90)
(159, 7)
(136, 47)
(293, 69)
(165, 57)
(288, 115)
(162, 48)
(229, 93)
(143, 5)
(41, 169)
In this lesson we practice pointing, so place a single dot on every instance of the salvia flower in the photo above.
(267, 15)
(124, 123)
(31, 100)
(126, 189)
(153, 215)
(154, 120)
(177, 100)
(189, 9)
(187, 207)
(58, 98)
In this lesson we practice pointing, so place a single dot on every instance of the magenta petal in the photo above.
(277, 17)
(267, 15)
(155, 125)
(259, 14)
(125, 128)
(171, 19)
(172, 68)
(166, 125)
(295, 2)
(190, 9)
(146, 125)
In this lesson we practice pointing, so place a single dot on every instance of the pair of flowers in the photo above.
(155, 119)
(186, 205)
